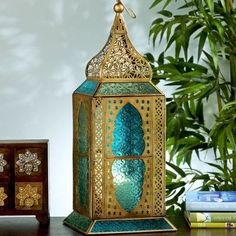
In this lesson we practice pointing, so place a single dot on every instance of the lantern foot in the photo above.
(117, 226)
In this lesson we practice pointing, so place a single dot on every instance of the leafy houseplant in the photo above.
(197, 78)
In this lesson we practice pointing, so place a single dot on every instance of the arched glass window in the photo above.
(128, 141)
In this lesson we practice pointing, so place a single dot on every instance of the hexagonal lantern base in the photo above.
(117, 226)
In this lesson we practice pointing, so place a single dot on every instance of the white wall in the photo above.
(44, 48)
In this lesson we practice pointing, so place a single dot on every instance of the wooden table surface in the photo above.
(28, 226)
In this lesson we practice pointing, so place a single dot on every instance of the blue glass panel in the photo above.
(77, 221)
(83, 129)
(128, 178)
(128, 132)
(128, 175)
(83, 175)
(127, 88)
(110, 226)
(87, 87)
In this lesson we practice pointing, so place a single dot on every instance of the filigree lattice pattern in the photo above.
(98, 159)
(94, 65)
(159, 157)
(123, 61)
(119, 59)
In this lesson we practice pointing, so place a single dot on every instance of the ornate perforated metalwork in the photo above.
(98, 171)
(94, 65)
(28, 162)
(159, 156)
(3, 162)
(28, 196)
(122, 165)
(109, 89)
(3, 196)
(119, 60)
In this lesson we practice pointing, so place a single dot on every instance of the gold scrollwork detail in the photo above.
(119, 60)
(2, 162)
(3, 196)
(28, 162)
(28, 196)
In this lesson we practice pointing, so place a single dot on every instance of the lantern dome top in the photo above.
(119, 61)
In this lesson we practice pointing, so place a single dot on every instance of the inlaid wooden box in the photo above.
(24, 178)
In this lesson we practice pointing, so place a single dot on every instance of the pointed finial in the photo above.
(119, 7)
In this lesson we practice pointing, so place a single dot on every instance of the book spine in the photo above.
(211, 217)
(210, 206)
(228, 225)
(206, 196)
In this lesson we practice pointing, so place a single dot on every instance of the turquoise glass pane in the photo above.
(127, 88)
(128, 178)
(128, 175)
(83, 174)
(78, 222)
(87, 87)
(128, 132)
(83, 129)
(111, 226)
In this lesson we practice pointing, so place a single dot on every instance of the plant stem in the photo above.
(232, 59)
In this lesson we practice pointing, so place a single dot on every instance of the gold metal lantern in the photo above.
(118, 142)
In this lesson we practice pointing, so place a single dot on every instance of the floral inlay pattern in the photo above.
(3, 196)
(28, 196)
(2, 162)
(28, 162)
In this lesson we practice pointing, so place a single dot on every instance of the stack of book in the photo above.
(211, 209)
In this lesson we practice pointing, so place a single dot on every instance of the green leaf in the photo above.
(213, 46)
(165, 13)
(157, 21)
(155, 3)
(177, 169)
(201, 44)
(166, 4)
(210, 4)
(171, 174)
(150, 57)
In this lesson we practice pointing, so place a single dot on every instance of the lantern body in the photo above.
(118, 143)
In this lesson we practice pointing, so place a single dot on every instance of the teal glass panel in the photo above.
(128, 132)
(78, 222)
(128, 175)
(83, 129)
(126, 89)
(128, 178)
(87, 87)
(83, 174)
(109, 226)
